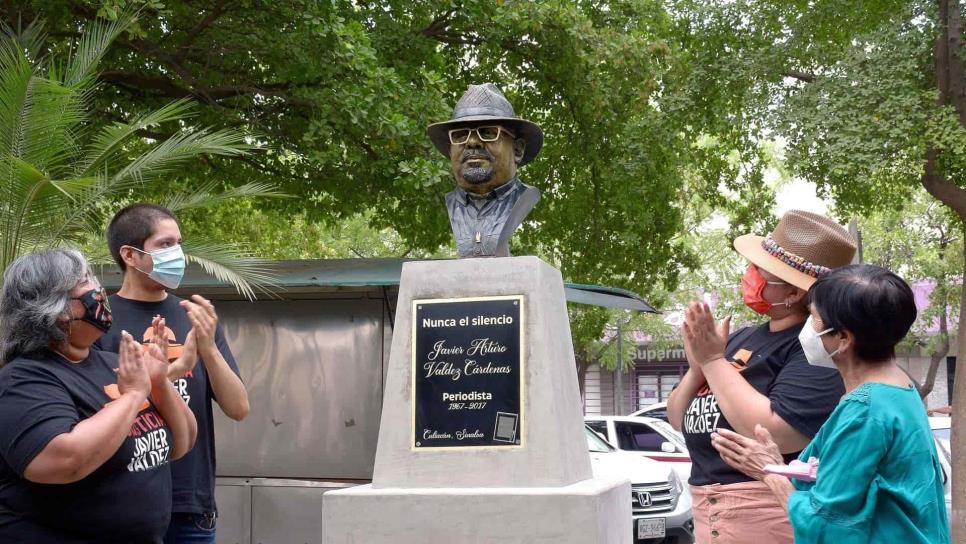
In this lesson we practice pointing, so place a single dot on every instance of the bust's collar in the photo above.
(499, 193)
(502, 191)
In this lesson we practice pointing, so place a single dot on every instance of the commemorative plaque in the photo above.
(468, 373)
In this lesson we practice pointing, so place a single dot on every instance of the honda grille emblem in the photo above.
(644, 498)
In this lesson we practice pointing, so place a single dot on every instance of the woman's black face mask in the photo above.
(96, 310)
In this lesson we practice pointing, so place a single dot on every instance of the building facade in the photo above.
(656, 371)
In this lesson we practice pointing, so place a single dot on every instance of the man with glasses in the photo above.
(486, 143)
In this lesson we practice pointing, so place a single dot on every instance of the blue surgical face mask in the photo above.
(168, 266)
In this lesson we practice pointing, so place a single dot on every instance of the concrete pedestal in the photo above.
(543, 491)
(591, 511)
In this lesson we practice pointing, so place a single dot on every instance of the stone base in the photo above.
(554, 452)
(596, 511)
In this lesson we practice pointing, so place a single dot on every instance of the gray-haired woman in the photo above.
(85, 436)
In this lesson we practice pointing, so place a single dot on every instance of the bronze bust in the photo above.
(486, 143)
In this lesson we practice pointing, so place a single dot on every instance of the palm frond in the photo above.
(112, 138)
(95, 248)
(210, 195)
(82, 211)
(165, 157)
(54, 184)
(234, 266)
(93, 43)
(23, 181)
(49, 122)
(60, 210)
(37, 115)
(16, 75)
(29, 39)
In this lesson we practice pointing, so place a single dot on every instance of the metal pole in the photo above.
(857, 236)
(619, 397)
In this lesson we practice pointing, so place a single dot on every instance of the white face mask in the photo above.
(814, 348)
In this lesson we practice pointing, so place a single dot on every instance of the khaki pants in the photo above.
(744, 513)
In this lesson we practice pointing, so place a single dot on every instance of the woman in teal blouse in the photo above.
(879, 477)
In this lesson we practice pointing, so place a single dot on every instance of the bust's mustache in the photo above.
(475, 154)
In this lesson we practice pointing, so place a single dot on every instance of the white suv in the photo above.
(941, 431)
(652, 437)
(660, 503)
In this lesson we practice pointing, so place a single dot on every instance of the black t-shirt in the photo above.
(774, 364)
(193, 476)
(124, 500)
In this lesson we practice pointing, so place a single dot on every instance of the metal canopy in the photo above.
(607, 297)
(325, 275)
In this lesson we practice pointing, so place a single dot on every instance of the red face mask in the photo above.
(752, 290)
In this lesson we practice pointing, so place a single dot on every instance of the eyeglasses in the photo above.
(459, 136)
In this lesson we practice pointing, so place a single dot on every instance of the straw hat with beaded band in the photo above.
(803, 247)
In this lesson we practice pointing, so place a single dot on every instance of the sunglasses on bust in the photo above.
(490, 133)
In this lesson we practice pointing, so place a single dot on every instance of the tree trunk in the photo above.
(582, 366)
(929, 382)
(958, 439)
(951, 82)
(941, 350)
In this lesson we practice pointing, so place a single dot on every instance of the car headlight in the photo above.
(676, 486)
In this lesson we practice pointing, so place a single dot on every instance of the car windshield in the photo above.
(595, 443)
(668, 431)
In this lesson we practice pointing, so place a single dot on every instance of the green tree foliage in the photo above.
(871, 98)
(921, 243)
(341, 92)
(58, 172)
(715, 278)
(295, 236)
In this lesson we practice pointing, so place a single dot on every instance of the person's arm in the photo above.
(227, 387)
(186, 363)
(175, 411)
(840, 505)
(749, 455)
(781, 487)
(180, 419)
(740, 403)
(744, 407)
(682, 395)
(685, 391)
(74, 455)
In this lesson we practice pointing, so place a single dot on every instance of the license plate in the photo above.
(650, 528)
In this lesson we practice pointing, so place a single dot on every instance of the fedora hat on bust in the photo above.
(485, 104)
(803, 247)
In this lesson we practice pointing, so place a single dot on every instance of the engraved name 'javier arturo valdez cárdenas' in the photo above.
(436, 366)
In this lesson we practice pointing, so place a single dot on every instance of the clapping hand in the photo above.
(749, 455)
(204, 321)
(132, 372)
(156, 354)
(189, 358)
(704, 340)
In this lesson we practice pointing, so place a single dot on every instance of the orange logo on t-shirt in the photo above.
(741, 358)
(114, 393)
(175, 349)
